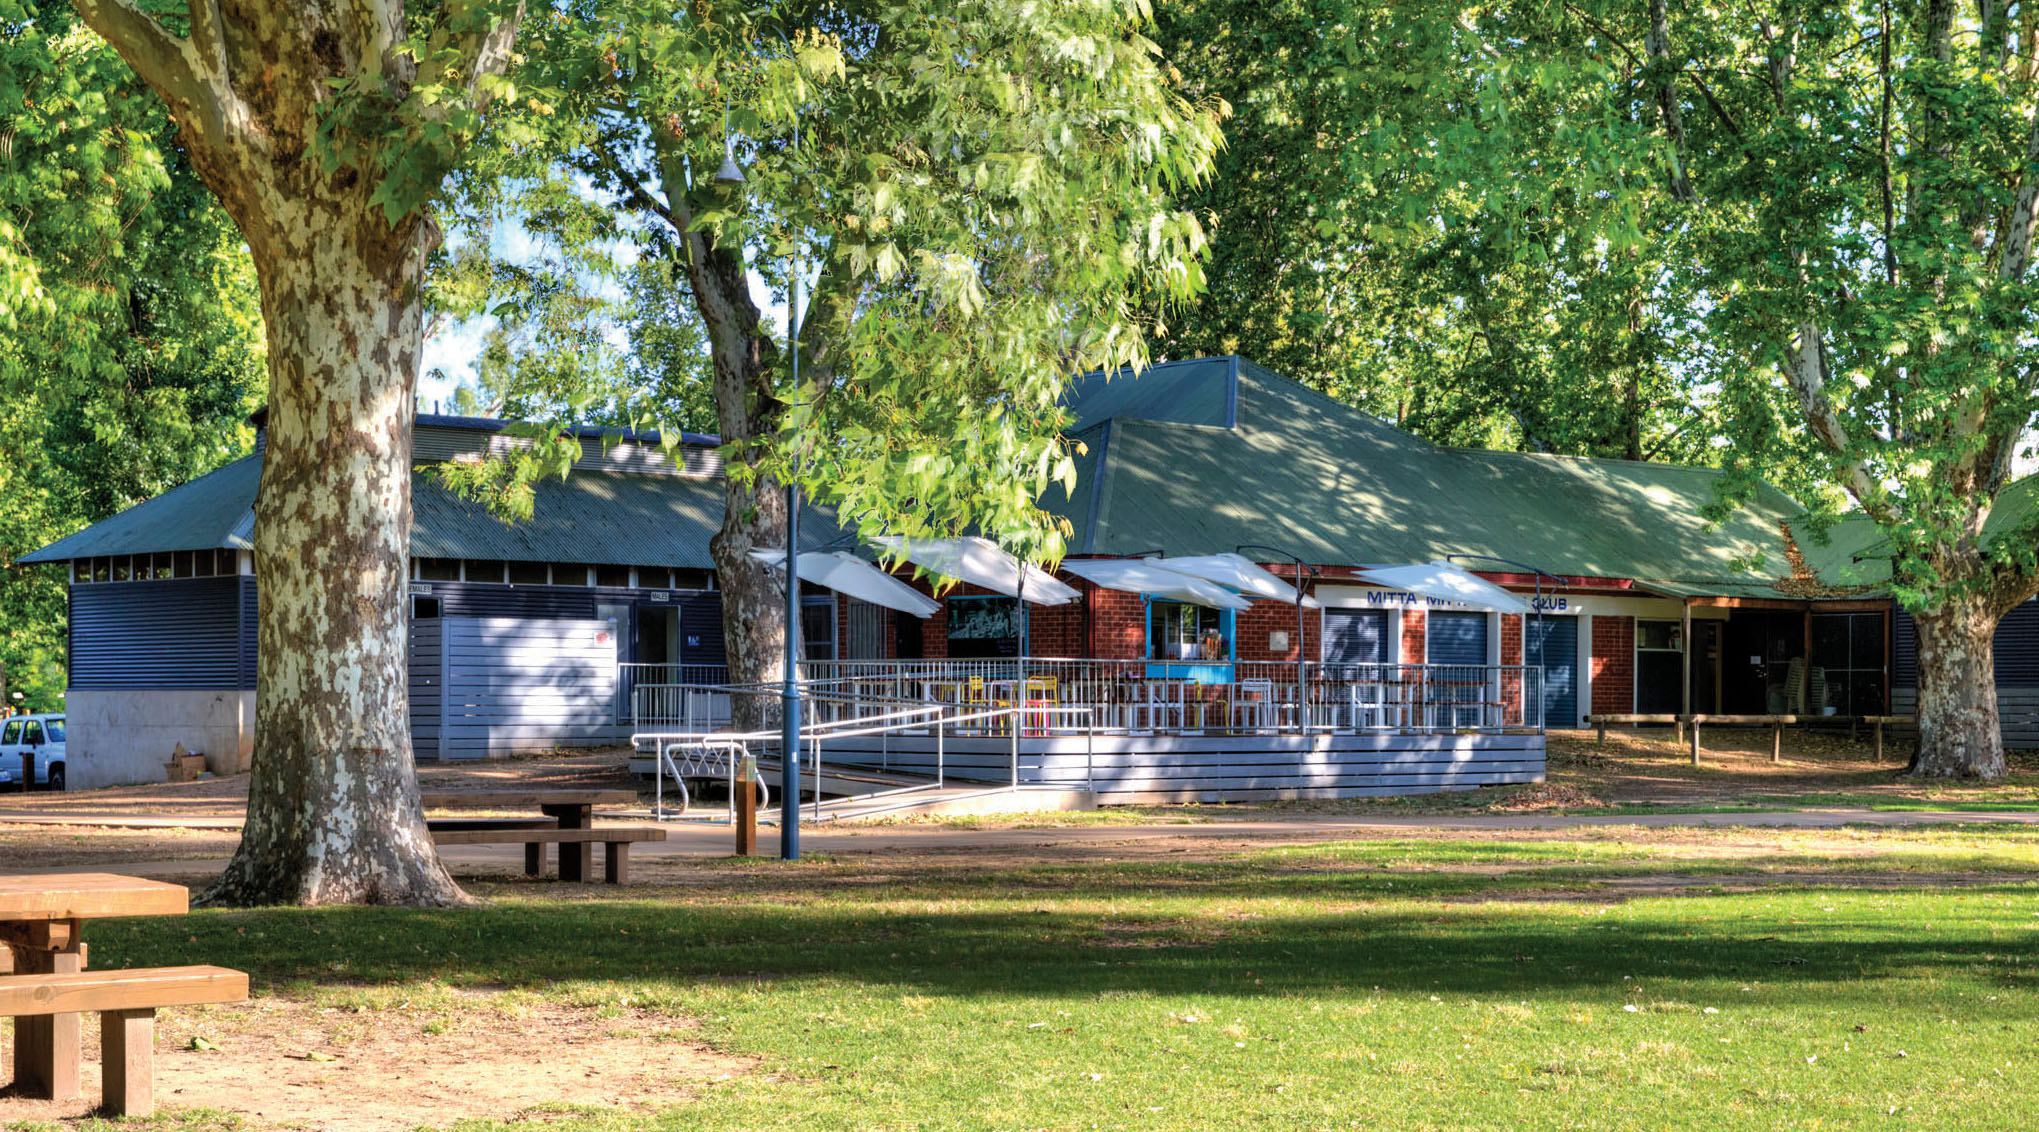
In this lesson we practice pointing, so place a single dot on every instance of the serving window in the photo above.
(1177, 630)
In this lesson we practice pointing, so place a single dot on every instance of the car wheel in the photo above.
(57, 777)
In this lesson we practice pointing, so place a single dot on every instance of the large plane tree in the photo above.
(326, 128)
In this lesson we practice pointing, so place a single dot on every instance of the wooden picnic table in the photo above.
(42, 922)
(572, 809)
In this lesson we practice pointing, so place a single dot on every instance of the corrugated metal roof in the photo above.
(210, 511)
(1336, 485)
(591, 517)
(1197, 391)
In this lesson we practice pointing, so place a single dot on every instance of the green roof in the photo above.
(214, 510)
(1338, 486)
(593, 517)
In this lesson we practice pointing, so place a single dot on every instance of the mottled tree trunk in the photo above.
(1959, 733)
(747, 411)
(333, 812)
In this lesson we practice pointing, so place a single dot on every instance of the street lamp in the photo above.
(730, 175)
(1302, 658)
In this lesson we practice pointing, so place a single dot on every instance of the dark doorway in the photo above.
(906, 643)
(1705, 646)
(1760, 645)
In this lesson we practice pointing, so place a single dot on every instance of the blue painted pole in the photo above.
(789, 735)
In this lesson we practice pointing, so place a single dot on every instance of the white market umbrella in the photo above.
(847, 574)
(1238, 572)
(1445, 582)
(982, 563)
(1148, 577)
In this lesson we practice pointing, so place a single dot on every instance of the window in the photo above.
(983, 626)
(31, 733)
(100, 568)
(12, 734)
(568, 574)
(424, 608)
(438, 569)
(201, 563)
(529, 573)
(817, 628)
(478, 571)
(57, 729)
(1179, 631)
(654, 578)
(162, 566)
(120, 568)
(226, 561)
(1659, 636)
(1847, 663)
(181, 560)
(81, 570)
(616, 576)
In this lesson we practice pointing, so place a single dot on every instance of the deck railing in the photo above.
(1138, 696)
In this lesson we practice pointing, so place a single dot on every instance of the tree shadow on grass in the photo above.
(1184, 930)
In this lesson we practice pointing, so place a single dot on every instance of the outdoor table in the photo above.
(572, 809)
(42, 921)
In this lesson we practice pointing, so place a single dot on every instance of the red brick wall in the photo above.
(1511, 638)
(1613, 665)
(1253, 626)
(1412, 636)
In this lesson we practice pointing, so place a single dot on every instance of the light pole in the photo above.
(730, 174)
(1302, 658)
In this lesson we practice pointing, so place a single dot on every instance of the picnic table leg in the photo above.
(534, 859)
(125, 1041)
(1879, 740)
(1776, 742)
(1695, 742)
(576, 861)
(616, 864)
(46, 1047)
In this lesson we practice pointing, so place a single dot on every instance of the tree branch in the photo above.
(1658, 44)
(170, 65)
(1806, 368)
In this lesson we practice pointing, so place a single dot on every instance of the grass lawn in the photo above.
(1607, 979)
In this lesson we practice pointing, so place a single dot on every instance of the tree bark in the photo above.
(1959, 735)
(333, 812)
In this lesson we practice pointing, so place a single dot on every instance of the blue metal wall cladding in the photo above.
(1456, 638)
(482, 599)
(701, 630)
(175, 633)
(2017, 648)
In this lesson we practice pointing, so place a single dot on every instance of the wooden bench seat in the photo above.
(616, 842)
(126, 1001)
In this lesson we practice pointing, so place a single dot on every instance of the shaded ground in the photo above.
(227, 798)
(289, 1062)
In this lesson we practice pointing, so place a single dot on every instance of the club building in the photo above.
(533, 635)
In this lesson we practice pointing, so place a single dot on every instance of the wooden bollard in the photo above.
(1879, 738)
(1776, 742)
(1695, 742)
(747, 807)
(1602, 740)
